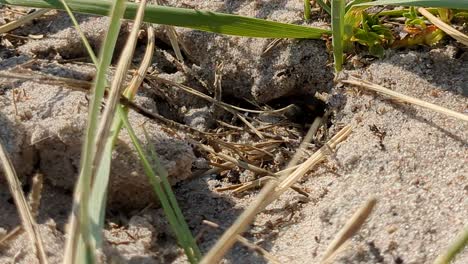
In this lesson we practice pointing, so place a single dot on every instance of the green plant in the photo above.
(372, 34)
(367, 30)
(412, 18)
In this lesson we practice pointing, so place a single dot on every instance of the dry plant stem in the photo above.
(23, 20)
(351, 227)
(222, 167)
(268, 194)
(172, 35)
(405, 98)
(115, 91)
(27, 219)
(239, 163)
(335, 254)
(267, 255)
(140, 74)
(36, 193)
(444, 26)
(34, 202)
(317, 157)
(211, 100)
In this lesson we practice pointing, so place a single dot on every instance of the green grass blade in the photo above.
(454, 4)
(338, 13)
(189, 18)
(82, 192)
(158, 167)
(350, 4)
(191, 251)
(460, 242)
(324, 6)
(80, 32)
(307, 9)
(105, 136)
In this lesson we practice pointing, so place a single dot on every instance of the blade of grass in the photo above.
(23, 20)
(172, 35)
(405, 98)
(400, 12)
(191, 250)
(106, 136)
(455, 247)
(350, 228)
(338, 13)
(189, 240)
(115, 91)
(453, 4)
(324, 6)
(80, 32)
(81, 196)
(181, 17)
(307, 9)
(352, 3)
(26, 216)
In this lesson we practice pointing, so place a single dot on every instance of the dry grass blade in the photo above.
(406, 98)
(268, 194)
(23, 20)
(267, 255)
(313, 160)
(27, 219)
(239, 163)
(444, 26)
(115, 91)
(351, 227)
(34, 202)
(173, 38)
(214, 101)
(140, 74)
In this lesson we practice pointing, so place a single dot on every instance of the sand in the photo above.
(412, 160)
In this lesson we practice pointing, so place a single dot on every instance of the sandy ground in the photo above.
(413, 161)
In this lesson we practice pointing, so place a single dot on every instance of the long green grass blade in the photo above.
(79, 244)
(460, 242)
(307, 9)
(454, 4)
(80, 32)
(324, 6)
(338, 13)
(189, 18)
(350, 4)
(190, 248)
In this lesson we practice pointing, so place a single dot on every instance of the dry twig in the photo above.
(406, 98)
